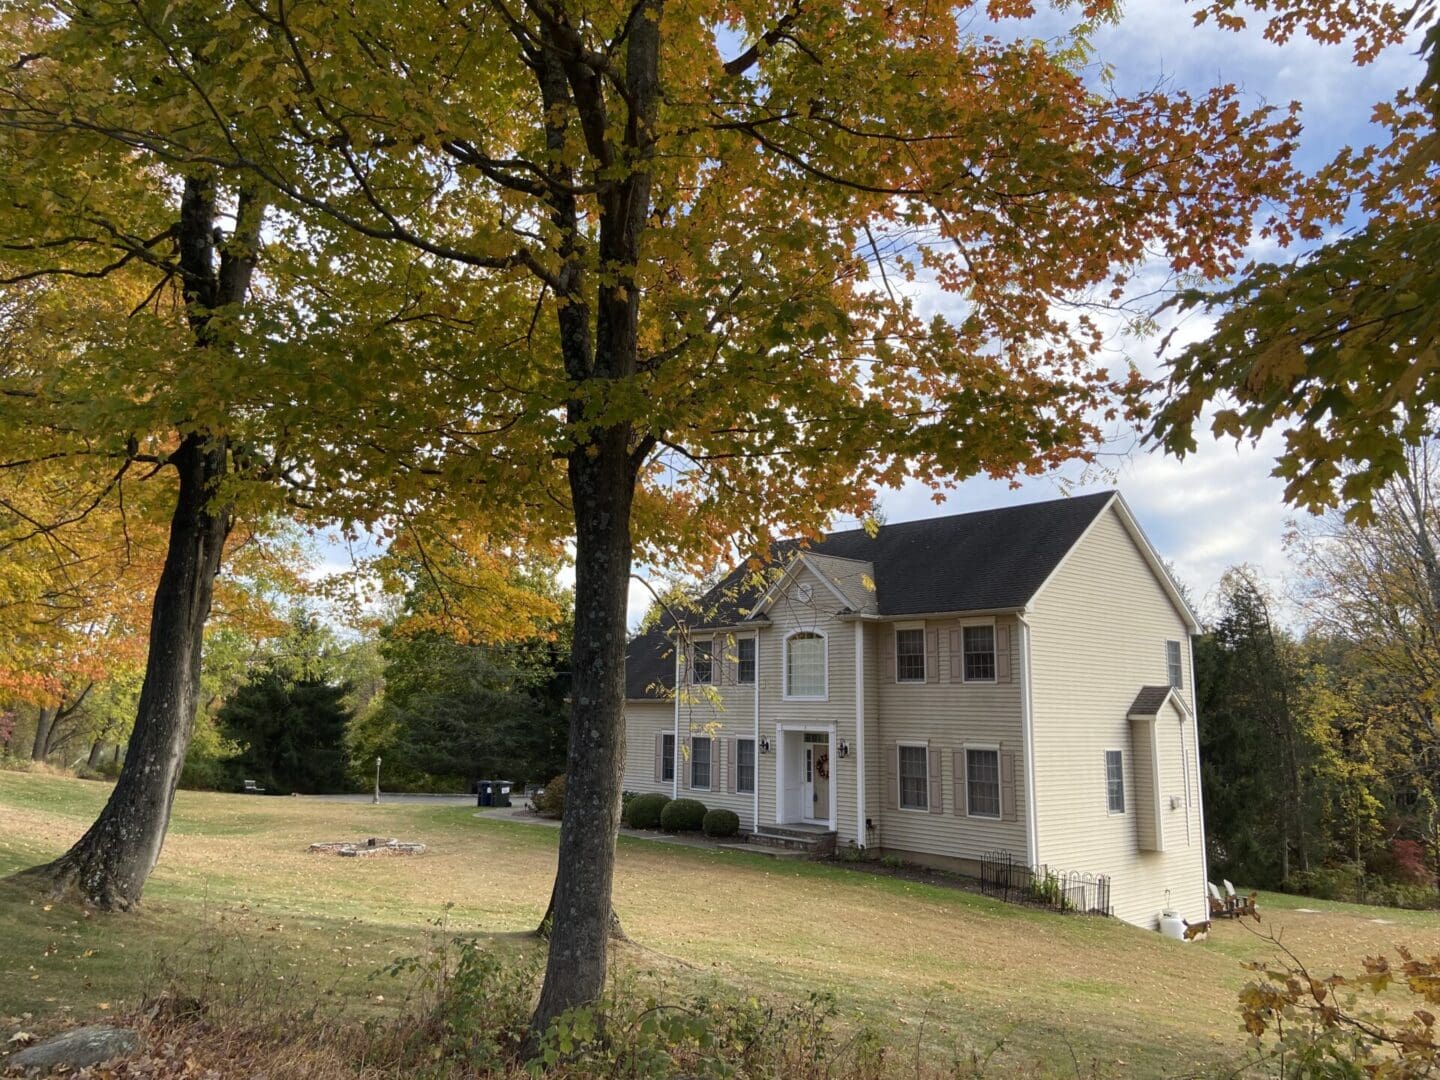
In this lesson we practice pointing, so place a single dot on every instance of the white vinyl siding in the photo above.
(982, 783)
(914, 778)
(1115, 781)
(910, 654)
(1084, 684)
(744, 766)
(805, 663)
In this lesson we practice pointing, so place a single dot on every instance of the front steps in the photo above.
(810, 840)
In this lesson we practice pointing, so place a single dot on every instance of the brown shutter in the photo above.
(687, 763)
(932, 655)
(1007, 786)
(892, 775)
(935, 795)
(1002, 653)
(729, 765)
(958, 760)
(659, 756)
(957, 667)
(887, 653)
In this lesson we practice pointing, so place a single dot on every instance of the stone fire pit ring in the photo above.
(369, 848)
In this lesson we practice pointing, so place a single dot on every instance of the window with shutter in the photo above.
(745, 766)
(910, 655)
(700, 762)
(914, 778)
(979, 643)
(745, 660)
(667, 756)
(982, 783)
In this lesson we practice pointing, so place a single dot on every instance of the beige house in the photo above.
(1011, 681)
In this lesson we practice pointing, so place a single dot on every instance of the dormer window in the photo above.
(805, 664)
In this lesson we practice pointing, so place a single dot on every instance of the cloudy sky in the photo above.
(1220, 506)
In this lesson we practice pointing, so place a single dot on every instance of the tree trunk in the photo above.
(43, 723)
(109, 865)
(547, 921)
(97, 753)
(602, 487)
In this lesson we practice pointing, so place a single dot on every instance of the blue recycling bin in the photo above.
(487, 797)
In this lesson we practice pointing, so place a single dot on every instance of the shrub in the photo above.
(643, 811)
(549, 801)
(721, 823)
(683, 815)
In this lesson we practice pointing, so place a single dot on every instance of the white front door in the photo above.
(816, 804)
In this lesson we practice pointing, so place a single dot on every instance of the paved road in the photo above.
(393, 798)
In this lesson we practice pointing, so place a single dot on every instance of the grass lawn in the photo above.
(236, 897)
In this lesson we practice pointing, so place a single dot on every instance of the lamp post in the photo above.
(377, 782)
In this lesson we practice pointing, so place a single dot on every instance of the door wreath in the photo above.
(822, 766)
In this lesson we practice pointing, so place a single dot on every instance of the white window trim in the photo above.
(674, 757)
(990, 622)
(1124, 793)
(756, 639)
(924, 653)
(1179, 664)
(785, 666)
(754, 764)
(691, 763)
(965, 749)
(693, 645)
(900, 780)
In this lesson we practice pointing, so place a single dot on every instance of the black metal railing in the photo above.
(1067, 891)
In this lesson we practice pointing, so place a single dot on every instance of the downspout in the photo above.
(755, 793)
(1027, 711)
(1199, 785)
(861, 832)
(675, 756)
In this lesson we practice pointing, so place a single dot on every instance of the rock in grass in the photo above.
(76, 1049)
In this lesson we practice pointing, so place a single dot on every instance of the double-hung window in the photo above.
(914, 778)
(979, 653)
(745, 766)
(1172, 663)
(700, 762)
(667, 749)
(910, 655)
(982, 783)
(1115, 781)
(704, 662)
(745, 660)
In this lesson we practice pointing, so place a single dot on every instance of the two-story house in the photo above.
(1011, 680)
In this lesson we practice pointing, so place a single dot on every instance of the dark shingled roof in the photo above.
(1150, 700)
(989, 560)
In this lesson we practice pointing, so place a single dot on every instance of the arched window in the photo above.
(805, 663)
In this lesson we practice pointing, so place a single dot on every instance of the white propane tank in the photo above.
(1172, 925)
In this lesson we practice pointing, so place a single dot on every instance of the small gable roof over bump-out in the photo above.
(1152, 699)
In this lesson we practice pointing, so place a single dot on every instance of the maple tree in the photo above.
(1338, 345)
(662, 265)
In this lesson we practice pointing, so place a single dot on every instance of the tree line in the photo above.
(1320, 741)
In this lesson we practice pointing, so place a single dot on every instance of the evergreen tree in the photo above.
(292, 733)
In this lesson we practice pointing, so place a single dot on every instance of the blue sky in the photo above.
(1220, 506)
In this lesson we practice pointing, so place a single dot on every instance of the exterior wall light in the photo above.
(764, 745)
(844, 748)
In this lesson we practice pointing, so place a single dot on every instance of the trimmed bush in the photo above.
(549, 801)
(683, 815)
(643, 811)
(721, 823)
